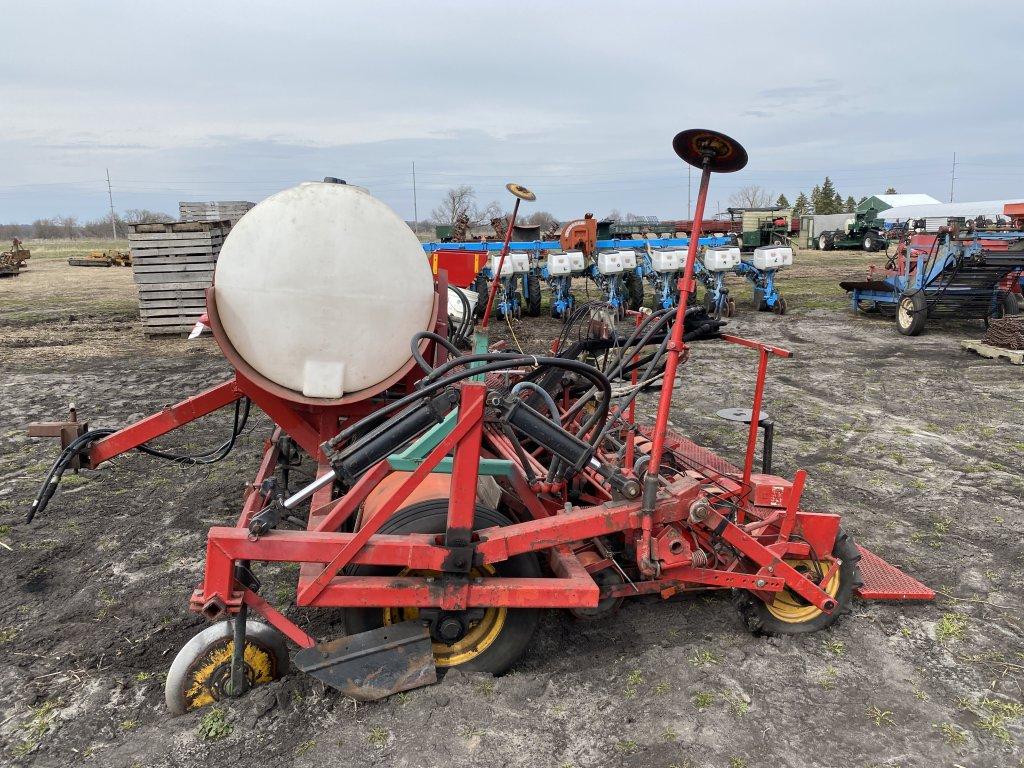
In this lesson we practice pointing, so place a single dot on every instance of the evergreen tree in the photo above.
(815, 201)
(838, 203)
(828, 198)
(862, 200)
(802, 206)
(891, 191)
(851, 205)
(782, 202)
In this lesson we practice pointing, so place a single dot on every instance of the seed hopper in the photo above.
(457, 496)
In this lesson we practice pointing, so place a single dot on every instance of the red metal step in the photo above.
(883, 581)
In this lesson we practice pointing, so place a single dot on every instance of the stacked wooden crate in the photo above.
(173, 266)
(229, 210)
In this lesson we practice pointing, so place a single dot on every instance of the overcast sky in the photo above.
(577, 100)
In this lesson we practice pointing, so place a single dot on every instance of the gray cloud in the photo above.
(577, 100)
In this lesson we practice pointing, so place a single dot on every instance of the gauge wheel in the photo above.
(533, 300)
(490, 640)
(911, 313)
(790, 614)
(779, 308)
(201, 672)
(635, 289)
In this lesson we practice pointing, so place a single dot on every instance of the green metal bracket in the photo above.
(409, 459)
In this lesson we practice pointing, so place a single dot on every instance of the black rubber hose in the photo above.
(420, 360)
(502, 362)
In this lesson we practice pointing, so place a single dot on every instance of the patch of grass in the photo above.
(627, 746)
(952, 626)
(833, 646)
(662, 688)
(669, 735)
(633, 681)
(486, 687)
(828, 680)
(703, 658)
(880, 716)
(305, 746)
(378, 737)
(215, 725)
(737, 762)
(36, 727)
(994, 726)
(703, 699)
(7, 634)
(955, 737)
(128, 725)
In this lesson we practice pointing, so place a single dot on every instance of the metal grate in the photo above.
(883, 581)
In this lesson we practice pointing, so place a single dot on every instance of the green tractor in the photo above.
(862, 232)
(760, 227)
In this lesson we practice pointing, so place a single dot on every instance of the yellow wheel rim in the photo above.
(793, 609)
(200, 691)
(478, 639)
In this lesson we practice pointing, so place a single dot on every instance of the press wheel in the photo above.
(789, 613)
(201, 672)
(492, 639)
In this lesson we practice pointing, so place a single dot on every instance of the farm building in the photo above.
(875, 204)
(939, 214)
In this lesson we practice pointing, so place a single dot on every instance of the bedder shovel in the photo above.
(372, 665)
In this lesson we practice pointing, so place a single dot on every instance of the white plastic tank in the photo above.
(559, 264)
(774, 257)
(668, 260)
(321, 287)
(609, 262)
(721, 259)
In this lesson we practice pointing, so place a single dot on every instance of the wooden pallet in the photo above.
(172, 266)
(1015, 356)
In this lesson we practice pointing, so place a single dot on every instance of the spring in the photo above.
(699, 558)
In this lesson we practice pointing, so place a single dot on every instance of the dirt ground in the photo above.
(915, 442)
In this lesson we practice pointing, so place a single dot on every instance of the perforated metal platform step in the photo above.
(883, 581)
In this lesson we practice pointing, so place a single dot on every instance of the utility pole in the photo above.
(110, 196)
(952, 178)
(415, 204)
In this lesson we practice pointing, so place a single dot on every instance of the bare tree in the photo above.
(460, 202)
(752, 197)
(543, 219)
(614, 215)
(140, 215)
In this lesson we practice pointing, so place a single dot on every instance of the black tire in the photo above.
(911, 313)
(826, 241)
(778, 240)
(480, 286)
(1007, 303)
(635, 289)
(519, 624)
(759, 618)
(533, 300)
(730, 308)
(871, 242)
(780, 306)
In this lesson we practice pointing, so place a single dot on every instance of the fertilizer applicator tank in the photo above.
(317, 293)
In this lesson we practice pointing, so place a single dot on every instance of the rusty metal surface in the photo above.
(373, 665)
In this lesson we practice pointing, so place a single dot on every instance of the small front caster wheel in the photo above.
(201, 672)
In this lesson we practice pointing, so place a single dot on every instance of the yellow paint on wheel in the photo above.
(259, 669)
(792, 608)
(478, 639)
